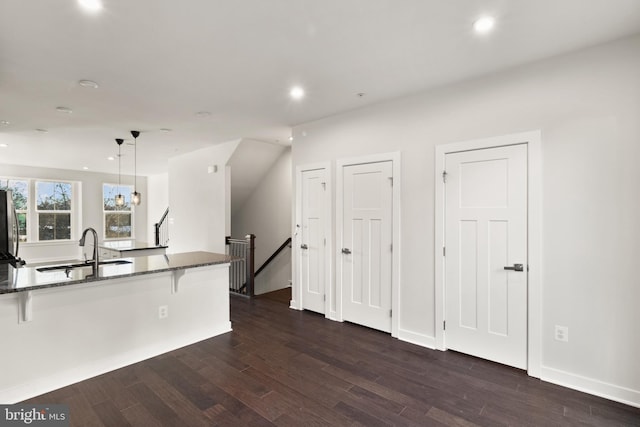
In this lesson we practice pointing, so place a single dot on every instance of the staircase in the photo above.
(242, 273)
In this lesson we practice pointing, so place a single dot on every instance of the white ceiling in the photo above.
(158, 62)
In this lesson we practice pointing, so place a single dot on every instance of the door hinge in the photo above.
(444, 176)
(324, 186)
(390, 313)
(391, 180)
(444, 325)
(391, 247)
(444, 251)
(324, 297)
(325, 241)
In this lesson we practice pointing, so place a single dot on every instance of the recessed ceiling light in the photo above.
(4, 123)
(42, 130)
(64, 110)
(165, 130)
(4, 145)
(111, 158)
(203, 114)
(88, 83)
(91, 5)
(85, 167)
(484, 24)
(291, 138)
(296, 93)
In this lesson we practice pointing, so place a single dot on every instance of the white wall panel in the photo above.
(587, 107)
(197, 218)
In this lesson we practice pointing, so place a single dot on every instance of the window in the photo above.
(47, 210)
(20, 189)
(117, 219)
(53, 208)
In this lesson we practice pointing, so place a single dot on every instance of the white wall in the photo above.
(267, 214)
(197, 199)
(249, 163)
(587, 105)
(158, 188)
(91, 208)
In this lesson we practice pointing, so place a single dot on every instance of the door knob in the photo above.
(516, 267)
(346, 251)
(304, 246)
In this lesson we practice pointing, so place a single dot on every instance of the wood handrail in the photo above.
(159, 224)
(275, 254)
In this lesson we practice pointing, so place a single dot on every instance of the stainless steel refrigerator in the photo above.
(9, 239)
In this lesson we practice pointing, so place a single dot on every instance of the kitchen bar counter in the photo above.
(29, 278)
(58, 330)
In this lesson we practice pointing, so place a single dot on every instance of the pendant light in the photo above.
(119, 198)
(136, 197)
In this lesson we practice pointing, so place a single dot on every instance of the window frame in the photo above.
(125, 190)
(33, 226)
(69, 211)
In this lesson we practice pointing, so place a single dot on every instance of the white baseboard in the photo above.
(333, 315)
(294, 305)
(592, 386)
(84, 372)
(417, 339)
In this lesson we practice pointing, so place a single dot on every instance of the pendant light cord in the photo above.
(135, 194)
(119, 165)
(135, 164)
(119, 200)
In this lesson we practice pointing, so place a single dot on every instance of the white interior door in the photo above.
(312, 250)
(486, 253)
(366, 244)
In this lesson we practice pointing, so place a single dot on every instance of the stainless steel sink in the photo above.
(82, 264)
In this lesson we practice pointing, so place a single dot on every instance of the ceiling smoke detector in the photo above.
(88, 84)
(64, 110)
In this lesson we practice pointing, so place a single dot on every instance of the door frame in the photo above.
(396, 168)
(534, 232)
(296, 289)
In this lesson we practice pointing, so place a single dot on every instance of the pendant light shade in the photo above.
(119, 199)
(136, 197)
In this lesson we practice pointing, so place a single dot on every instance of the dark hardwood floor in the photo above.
(289, 368)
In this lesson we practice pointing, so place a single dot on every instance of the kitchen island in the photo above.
(60, 325)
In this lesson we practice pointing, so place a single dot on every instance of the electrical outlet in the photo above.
(163, 311)
(562, 333)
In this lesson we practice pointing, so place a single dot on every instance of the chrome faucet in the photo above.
(94, 261)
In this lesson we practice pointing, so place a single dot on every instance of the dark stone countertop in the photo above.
(28, 278)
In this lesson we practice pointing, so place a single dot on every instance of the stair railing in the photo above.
(162, 230)
(242, 268)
